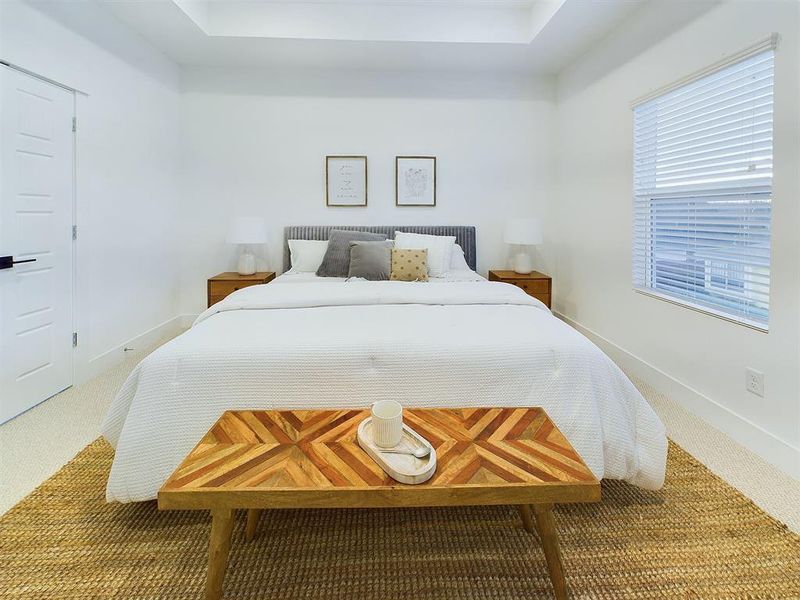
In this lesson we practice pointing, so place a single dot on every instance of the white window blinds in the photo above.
(703, 191)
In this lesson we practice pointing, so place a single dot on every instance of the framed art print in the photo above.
(415, 180)
(346, 180)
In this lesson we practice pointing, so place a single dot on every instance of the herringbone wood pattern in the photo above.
(319, 449)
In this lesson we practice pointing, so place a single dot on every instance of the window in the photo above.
(703, 191)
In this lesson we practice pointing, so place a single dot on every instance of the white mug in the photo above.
(387, 423)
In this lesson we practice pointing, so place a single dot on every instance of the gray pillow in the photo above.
(336, 262)
(371, 260)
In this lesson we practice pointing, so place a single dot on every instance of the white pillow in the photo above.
(458, 261)
(307, 254)
(439, 247)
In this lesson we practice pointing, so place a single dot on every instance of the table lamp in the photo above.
(245, 231)
(523, 232)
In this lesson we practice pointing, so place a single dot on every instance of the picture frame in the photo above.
(415, 181)
(346, 180)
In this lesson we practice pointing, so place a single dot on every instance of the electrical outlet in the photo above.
(754, 382)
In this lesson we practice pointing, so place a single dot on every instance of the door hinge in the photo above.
(74, 124)
(74, 232)
(74, 338)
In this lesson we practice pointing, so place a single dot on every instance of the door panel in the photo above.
(36, 216)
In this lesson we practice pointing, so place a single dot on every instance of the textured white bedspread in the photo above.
(347, 344)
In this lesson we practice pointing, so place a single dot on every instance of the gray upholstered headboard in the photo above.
(464, 234)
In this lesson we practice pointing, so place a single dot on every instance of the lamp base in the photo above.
(522, 263)
(247, 264)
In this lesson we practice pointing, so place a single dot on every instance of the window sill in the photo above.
(755, 325)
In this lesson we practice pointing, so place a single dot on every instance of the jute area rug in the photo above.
(695, 538)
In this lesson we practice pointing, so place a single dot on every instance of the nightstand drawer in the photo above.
(224, 284)
(212, 300)
(543, 298)
(223, 288)
(533, 286)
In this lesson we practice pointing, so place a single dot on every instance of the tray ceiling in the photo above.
(502, 36)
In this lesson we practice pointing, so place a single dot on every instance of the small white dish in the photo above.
(404, 468)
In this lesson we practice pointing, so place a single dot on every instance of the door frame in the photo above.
(73, 207)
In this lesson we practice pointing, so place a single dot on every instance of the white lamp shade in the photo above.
(246, 230)
(527, 232)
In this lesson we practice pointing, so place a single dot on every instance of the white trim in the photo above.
(678, 301)
(768, 43)
(750, 435)
(111, 358)
(74, 246)
(42, 77)
(187, 320)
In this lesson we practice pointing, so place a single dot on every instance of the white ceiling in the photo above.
(528, 36)
(471, 21)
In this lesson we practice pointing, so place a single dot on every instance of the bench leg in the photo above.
(253, 514)
(218, 547)
(546, 528)
(527, 517)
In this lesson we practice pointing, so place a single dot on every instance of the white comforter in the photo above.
(324, 345)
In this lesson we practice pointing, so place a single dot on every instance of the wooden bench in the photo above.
(258, 460)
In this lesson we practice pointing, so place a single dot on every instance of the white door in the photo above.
(36, 216)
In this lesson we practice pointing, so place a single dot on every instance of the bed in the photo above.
(308, 342)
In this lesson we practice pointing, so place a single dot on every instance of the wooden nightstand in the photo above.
(538, 285)
(223, 284)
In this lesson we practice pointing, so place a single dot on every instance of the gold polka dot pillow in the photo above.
(409, 265)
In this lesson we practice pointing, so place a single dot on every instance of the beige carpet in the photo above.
(37, 443)
(695, 538)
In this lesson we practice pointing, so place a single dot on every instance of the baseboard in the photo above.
(107, 360)
(772, 449)
(187, 320)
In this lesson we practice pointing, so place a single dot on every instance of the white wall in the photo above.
(699, 359)
(255, 144)
(160, 172)
(127, 166)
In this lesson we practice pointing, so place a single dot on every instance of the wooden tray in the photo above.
(401, 467)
